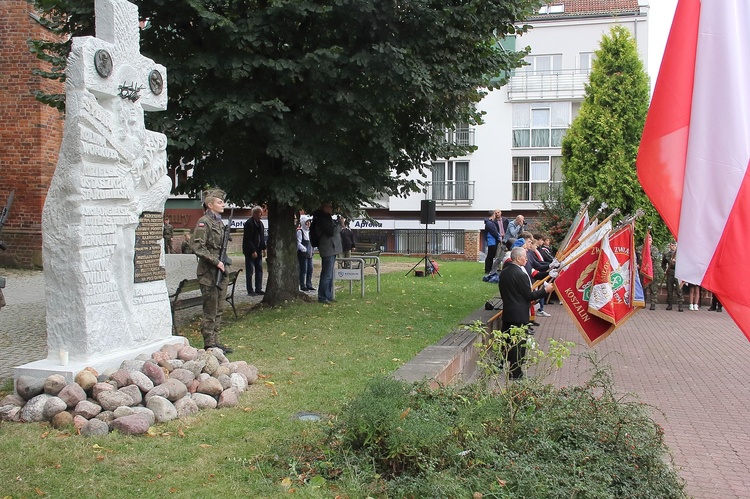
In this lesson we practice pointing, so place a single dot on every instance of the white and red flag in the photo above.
(694, 153)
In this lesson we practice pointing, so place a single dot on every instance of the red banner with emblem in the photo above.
(573, 285)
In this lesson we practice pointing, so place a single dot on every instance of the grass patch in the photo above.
(312, 358)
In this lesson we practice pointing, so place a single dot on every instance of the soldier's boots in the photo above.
(669, 307)
(652, 307)
(679, 307)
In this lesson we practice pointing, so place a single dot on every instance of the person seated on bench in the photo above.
(207, 239)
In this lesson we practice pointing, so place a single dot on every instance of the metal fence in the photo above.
(412, 241)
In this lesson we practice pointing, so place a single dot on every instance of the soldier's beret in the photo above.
(213, 194)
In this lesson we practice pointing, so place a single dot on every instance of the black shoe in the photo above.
(534, 323)
(652, 307)
(260, 292)
(679, 308)
(711, 309)
(669, 307)
(323, 301)
(718, 309)
(311, 288)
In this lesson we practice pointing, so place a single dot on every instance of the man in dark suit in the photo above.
(254, 247)
(515, 289)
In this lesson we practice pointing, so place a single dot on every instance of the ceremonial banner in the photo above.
(580, 222)
(647, 263)
(640, 297)
(613, 286)
(573, 286)
(592, 237)
(695, 149)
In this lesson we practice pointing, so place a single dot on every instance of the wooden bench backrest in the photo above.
(188, 285)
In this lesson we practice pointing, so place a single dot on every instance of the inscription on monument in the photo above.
(148, 236)
(102, 220)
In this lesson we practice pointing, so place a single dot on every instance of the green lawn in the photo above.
(310, 357)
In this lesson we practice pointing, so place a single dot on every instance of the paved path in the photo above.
(693, 366)
(23, 327)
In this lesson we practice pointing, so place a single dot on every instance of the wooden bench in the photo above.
(366, 249)
(178, 301)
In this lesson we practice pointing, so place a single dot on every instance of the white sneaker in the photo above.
(542, 313)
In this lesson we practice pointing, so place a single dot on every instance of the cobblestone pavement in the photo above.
(692, 367)
(23, 326)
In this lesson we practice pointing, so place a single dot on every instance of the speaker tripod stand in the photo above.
(429, 268)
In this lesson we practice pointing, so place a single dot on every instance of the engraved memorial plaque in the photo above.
(148, 236)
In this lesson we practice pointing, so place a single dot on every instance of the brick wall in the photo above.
(471, 245)
(30, 135)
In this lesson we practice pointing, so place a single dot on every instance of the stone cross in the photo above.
(103, 253)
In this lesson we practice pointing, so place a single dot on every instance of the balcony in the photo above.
(548, 85)
(454, 193)
(462, 136)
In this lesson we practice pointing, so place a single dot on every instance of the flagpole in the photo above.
(576, 220)
(630, 219)
(575, 246)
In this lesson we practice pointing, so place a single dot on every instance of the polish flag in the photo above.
(694, 153)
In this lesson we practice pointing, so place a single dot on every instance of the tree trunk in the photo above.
(283, 282)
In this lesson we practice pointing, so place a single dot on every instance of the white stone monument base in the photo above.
(52, 364)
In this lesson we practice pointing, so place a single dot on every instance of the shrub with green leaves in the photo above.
(528, 440)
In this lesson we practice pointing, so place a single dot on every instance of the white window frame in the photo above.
(452, 187)
(527, 132)
(585, 61)
(543, 63)
(535, 175)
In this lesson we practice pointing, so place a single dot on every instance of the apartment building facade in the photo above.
(518, 147)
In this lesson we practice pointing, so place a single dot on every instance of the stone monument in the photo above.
(106, 293)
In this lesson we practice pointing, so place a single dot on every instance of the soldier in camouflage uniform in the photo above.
(168, 235)
(207, 238)
(187, 246)
(674, 287)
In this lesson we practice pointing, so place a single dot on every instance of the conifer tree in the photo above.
(600, 148)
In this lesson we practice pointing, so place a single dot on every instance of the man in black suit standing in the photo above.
(254, 248)
(515, 289)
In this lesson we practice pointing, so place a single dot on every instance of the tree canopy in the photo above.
(600, 148)
(286, 103)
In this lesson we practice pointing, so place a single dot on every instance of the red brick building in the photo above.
(30, 135)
